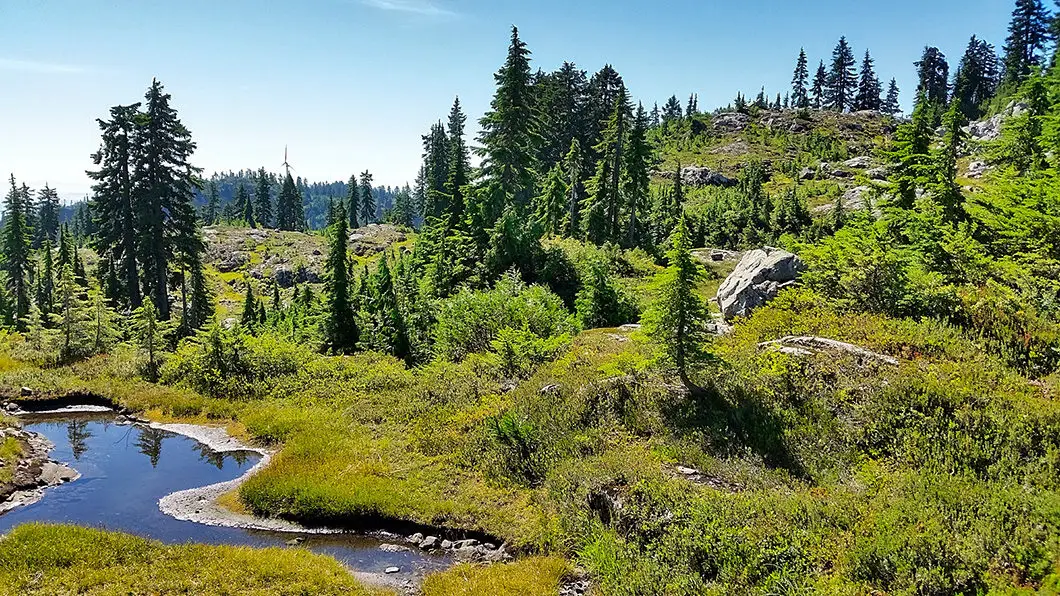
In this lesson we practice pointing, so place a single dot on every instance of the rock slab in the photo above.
(757, 279)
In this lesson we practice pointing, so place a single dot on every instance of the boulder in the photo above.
(429, 543)
(731, 122)
(232, 261)
(857, 197)
(877, 174)
(697, 176)
(977, 169)
(757, 279)
(807, 174)
(284, 276)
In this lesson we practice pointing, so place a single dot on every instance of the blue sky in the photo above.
(351, 85)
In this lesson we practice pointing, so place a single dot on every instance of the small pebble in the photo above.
(392, 570)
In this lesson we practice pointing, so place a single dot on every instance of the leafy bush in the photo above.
(470, 322)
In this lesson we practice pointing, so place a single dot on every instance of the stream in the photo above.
(126, 468)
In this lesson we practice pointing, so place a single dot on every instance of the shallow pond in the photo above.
(126, 468)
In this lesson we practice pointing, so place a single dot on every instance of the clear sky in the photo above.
(351, 85)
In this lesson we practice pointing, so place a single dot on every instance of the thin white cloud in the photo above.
(40, 67)
(420, 7)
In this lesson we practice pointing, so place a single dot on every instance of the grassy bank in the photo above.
(46, 559)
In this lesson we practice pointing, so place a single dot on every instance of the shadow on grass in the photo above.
(732, 425)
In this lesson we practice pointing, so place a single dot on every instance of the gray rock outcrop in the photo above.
(758, 278)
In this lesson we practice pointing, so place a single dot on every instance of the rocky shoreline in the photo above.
(35, 471)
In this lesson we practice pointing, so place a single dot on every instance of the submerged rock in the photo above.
(758, 278)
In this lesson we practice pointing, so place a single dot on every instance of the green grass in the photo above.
(10, 452)
(533, 576)
(49, 559)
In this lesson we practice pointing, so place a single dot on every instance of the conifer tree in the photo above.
(820, 86)
(436, 166)
(842, 80)
(46, 281)
(593, 215)
(47, 215)
(637, 176)
(390, 326)
(245, 206)
(459, 165)
(677, 319)
(839, 214)
(947, 192)
(263, 199)
(508, 137)
(104, 322)
(550, 206)
(891, 106)
(74, 317)
(933, 74)
(368, 206)
(149, 333)
(1028, 34)
(340, 327)
(671, 110)
(977, 78)
(869, 88)
(353, 201)
(114, 206)
(213, 205)
(16, 254)
(799, 96)
(572, 168)
(289, 209)
(403, 213)
(249, 317)
(912, 153)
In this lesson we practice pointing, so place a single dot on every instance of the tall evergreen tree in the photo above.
(869, 88)
(289, 209)
(799, 96)
(820, 86)
(947, 192)
(245, 206)
(977, 78)
(671, 110)
(340, 327)
(213, 205)
(263, 199)
(459, 165)
(637, 175)
(353, 201)
(842, 80)
(47, 215)
(114, 205)
(249, 317)
(550, 206)
(891, 105)
(1028, 34)
(933, 74)
(16, 255)
(164, 182)
(368, 206)
(436, 166)
(572, 168)
(912, 153)
(46, 280)
(677, 319)
(508, 136)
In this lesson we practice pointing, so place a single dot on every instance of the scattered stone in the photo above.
(393, 548)
(392, 570)
(459, 544)
(857, 198)
(429, 543)
(757, 279)
(232, 261)
(283, 276)
(977, 169)
(731, 122)
(809, 345)
(550, 389)
(295, 541)
(629, 327)
(26, 392)
(858, 162)
(877, 174)
(807, 174)
(446, 544)
(698, 177)
(415, 538)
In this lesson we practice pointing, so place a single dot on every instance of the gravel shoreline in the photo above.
(36, 472)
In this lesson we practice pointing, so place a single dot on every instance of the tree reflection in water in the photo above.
(78, 434)
(150, 443)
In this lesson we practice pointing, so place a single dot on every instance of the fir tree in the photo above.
(1028, 33)
(799, 96)
(436, 167)
(869, 88)
(947, 192)
(16, 255)
(911, 153)
(677, 319)
(245, 206)
(74, 317)
(164, 181)
(46, 281)
(249, 317)
(891, 106)
(508, 135)
(977, 78)
(340, 326)
(263, 199)
(213, 205)
(637, 175)
(353, 201)
(842, 80)
(368, 206)
(550, 206)
(820, 86)
(114, 207)
(671, 111)
(933, 74)
(459, 165)
(289, 209)
(47, 215)
(403, 212)
(572, 168)
(149, 333)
